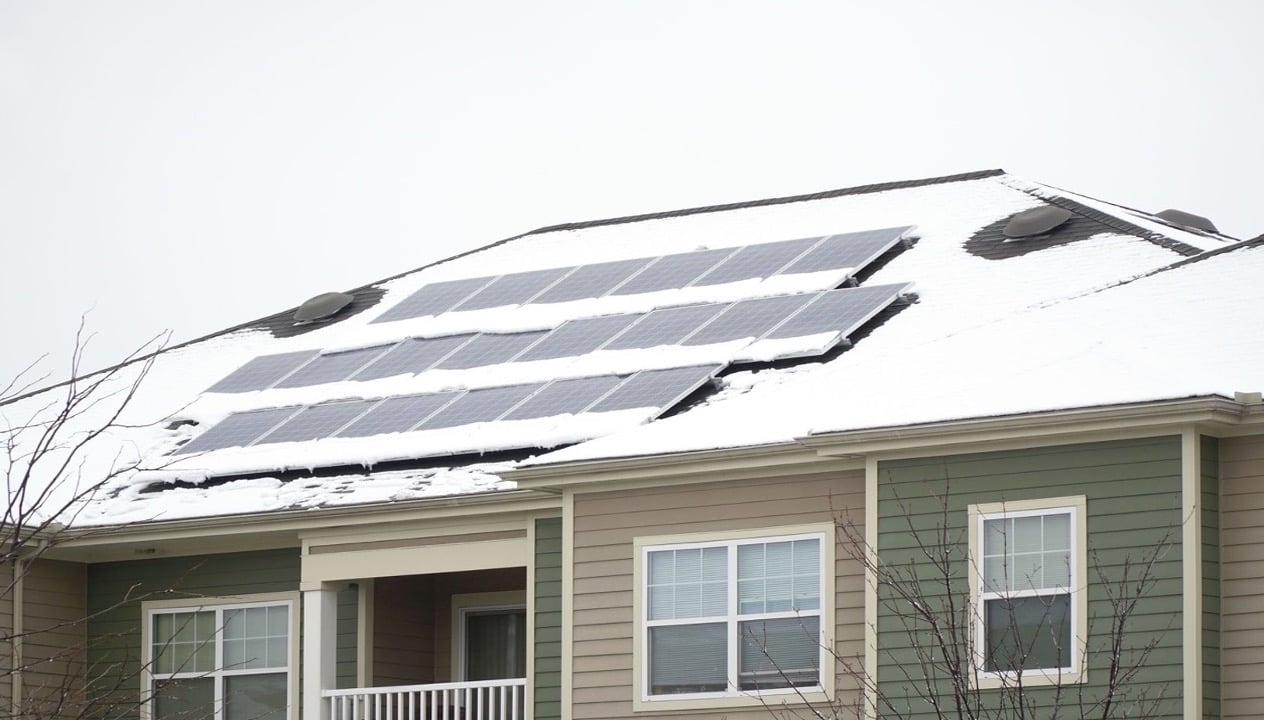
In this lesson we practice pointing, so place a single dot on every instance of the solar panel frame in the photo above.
(749, 319)
(435, 298)
(238, 430)
(513, 289)
(592, 281)
(317, 421)
(848, 251)
(397, 414)
(757, 261)
(414, 355)
(480, 405)
(568, 396)
(665, 326)
(839, 311)
(664, 388)
(333, 366)
(672, 272)
(578, 337)
(260, 373)
(489, 349)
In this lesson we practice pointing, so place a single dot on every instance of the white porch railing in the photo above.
(482, 700)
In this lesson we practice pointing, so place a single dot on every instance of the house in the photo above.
(729, 461)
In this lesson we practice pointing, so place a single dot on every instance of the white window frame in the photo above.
(465, 603)
(733, 695)
(1075, 671)
(152, 608)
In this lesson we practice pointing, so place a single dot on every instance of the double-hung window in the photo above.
(1028, 586)
(732, 617)
(228, 661)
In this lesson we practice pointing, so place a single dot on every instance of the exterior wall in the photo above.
(1210, 503)
(52, 644)
(1242, 576)
(606, 524)
(116, 590)
(1133, 492)
(348, 631)
(547, 688)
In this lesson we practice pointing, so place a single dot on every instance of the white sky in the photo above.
(192, 165)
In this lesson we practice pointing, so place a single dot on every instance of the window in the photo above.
(228, 661)
(732, 617)
(1027, 582)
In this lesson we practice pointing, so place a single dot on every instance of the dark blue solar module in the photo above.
(656, 388)
(841, 311)
(489, 349)
(237, 430)
(578, 337)
(591, 281)
(412, 356)
(262, 372)
(670, 272)
(398, 414)
(513, 289)
(565, 397)
(481, 405)
(434, 298)
(318, 421)
(848, 250)
(757, 261)
(665, 326)
(749, 319)
(332, 367)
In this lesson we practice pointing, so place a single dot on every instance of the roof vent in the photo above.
(1189, 220)
(322, 306)
(1036, 221)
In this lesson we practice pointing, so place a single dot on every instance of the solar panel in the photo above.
(434, 298)
(317, 421)
(842, 311)
(673, 271)
(578, 337)
(489, 349)
(848, 250)
(412, 356)
(565, 397)
(397, 414)
(665, 326)
(749, 319)
(513, 289)
(656, 388)
(261, 372)
(591, 281)
(481, 405)
(757, 261)
(237, 430)
(332, 367)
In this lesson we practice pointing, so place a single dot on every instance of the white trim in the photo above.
(568, 603)
(869, 673)
(1192, 574)
(465, 603)
(364, 633)
(1075, 506)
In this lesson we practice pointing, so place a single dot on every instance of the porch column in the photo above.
(320, 641)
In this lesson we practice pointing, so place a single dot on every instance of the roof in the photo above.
(1116, 306)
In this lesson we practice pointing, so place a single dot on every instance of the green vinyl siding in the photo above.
(1210, 500)
(348, 629)
(547, 683)
(1132, 490)
(116, 590)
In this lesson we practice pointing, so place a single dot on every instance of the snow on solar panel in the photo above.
(481, 405)
(749, 319)
(398, 414)
(591, 281)
(332, 367)
(412, 356)
(434, 298)
(237, 430)
(671, 272)
(261, 372)
(317, 421)
(513, 289)
(578, 337)
(565, 397)
(489, 349)
(665, 326)
(841, 311)
(656, 388)
(848, 250)
(757, 261)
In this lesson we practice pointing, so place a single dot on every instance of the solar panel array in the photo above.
(651, 390)
(844, 254)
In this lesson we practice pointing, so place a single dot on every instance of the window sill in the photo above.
(766, 700)
(1031, 678)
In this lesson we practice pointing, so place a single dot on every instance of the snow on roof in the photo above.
(1049, 328)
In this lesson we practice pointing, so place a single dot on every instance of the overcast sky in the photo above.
(192, 165)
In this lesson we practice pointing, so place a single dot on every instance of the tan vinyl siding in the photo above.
(606, 524)
(1242, 576)
(6, 631)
